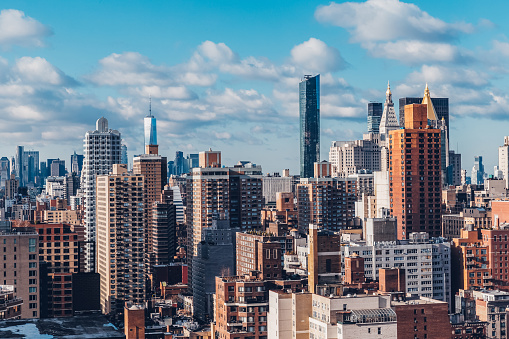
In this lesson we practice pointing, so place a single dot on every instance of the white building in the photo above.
(427, 263)
(102, 149)
(503, 159)
(348, 157)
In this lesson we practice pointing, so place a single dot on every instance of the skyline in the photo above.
(219, 79)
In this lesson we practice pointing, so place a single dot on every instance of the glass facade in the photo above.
(309, 107)
(150, 130)
(375, 111)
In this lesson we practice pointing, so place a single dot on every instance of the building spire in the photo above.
(388, 120)
(388, 94)
(426, 100)
(149, 105)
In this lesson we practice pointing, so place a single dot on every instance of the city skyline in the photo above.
(217, 84)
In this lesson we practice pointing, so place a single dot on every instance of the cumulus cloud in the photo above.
(315, 56)
(39, 70)
(457, 76)
(415, 51)
(18, 29)
(385, 20)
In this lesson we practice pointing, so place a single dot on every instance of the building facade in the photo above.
(309, 108)
(102, 149)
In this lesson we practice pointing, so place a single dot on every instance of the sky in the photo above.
(225, 74)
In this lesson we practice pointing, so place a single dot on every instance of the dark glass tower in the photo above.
(441, 108)
(375, 111)
(309, 107)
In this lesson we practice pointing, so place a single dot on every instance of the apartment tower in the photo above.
(415, 174)
(121, 237)
(101, 151)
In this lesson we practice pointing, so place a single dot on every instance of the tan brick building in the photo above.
(121, 234)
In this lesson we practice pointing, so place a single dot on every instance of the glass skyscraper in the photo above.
(309, 107)
(375, 111)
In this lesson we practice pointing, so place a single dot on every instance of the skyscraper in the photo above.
(503, 160)
(121, 229)
(414, 174)
(101, 151)
(150, 128)
(76, 163)
(388, 123)
(309, 110)
(375, 110)
(478, 171)
(441, 106)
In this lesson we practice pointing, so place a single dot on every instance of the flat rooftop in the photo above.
(90, 326)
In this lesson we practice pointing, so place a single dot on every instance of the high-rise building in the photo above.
(215, 257)
(5, 171)
(375, 110)
(162, 229)
(326, 202)
(415, 174)
(57, 168)
(478, 171)
(21, 268)
(121, 236)
(388, 123)
(102, 149)
(150, 128)
(222, 191)
(123, 155)
(76, 163)
(503, 160)
(59, 251)
(309, 108)
(18, 162)
(349, 157)
(454, 169)
(441, 106)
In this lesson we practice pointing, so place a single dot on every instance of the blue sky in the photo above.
(224, 74)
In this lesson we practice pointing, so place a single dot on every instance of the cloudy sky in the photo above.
(225, 74)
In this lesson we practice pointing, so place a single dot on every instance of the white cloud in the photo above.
(158, 92)
(385, 20)
(457, 76)
(18, 29)
(414, 51)
(314, 56)
(39, 70)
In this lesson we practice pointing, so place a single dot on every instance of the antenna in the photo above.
(150, 105)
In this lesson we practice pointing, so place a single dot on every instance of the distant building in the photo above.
(375, 110)
(478, 171)
(441, 106)
(349, 157)
(309, 108)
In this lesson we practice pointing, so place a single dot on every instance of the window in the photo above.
(328, 265)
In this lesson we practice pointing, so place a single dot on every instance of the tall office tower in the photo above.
(441, 106)
(503, 160)
(233, 193)
(415, 176)
(11, 187)
(31, 163)
(71, 186)
(309, 110)
(478, 171)
(5, 171)
(120, 238)
(76, 163)
(162, 229)
(123, 155)
(348, 157)
(101, 151)
(454, 169)
(178, 163)
(18, 162)
(150, 128)
(375, 111)
(192, 161)
(57, 168)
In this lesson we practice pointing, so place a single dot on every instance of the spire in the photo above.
(149, 105)
(426, 100)
(388, 121)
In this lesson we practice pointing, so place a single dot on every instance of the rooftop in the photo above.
(83, 327)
